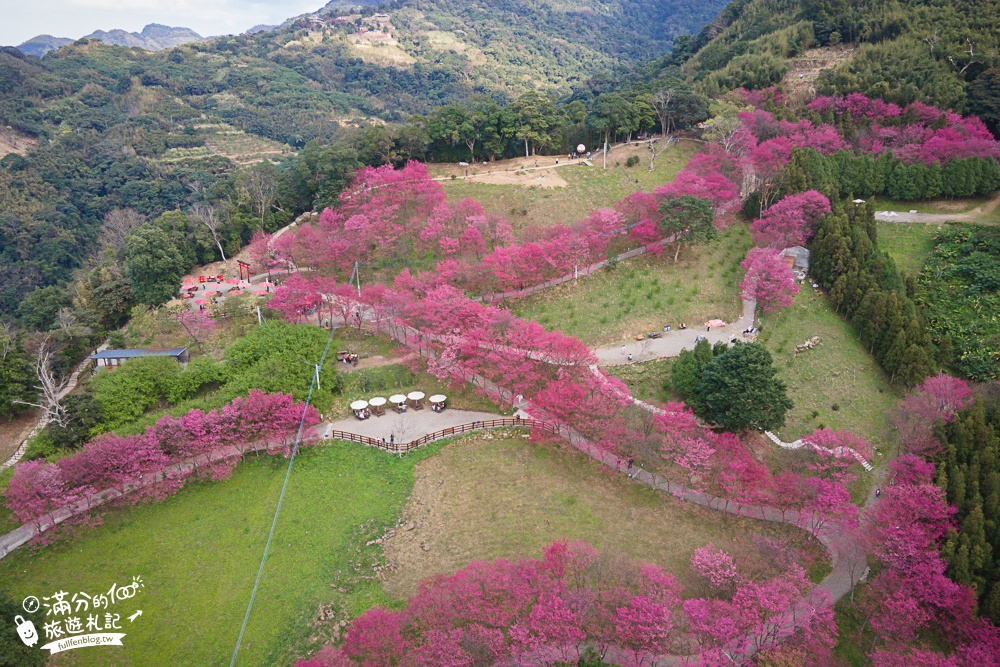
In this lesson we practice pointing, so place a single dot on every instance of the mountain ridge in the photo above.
(153, 37)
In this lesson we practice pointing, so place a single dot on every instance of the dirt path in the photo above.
(941, 218)
(40, 424)
(672, 342)
(373, 361)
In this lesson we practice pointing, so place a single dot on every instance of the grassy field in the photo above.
(587, 188)
(944, 206)
(643, 294)
(908, 245)
(645, 380)
(198, 553)
(838, 380)
(483, 499)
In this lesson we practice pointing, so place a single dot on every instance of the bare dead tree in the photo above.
(660, 101)
(726, 130)
(65, 319)
(657, 149)
(49, 387)
(117, 225)
(6, 339)
(933, 39)
(207, 215)
(259, 186)
(972, 58)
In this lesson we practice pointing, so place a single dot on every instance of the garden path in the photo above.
(672, 342)
(940, 218)
(42, 421)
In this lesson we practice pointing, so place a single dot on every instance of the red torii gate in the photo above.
(241, 265)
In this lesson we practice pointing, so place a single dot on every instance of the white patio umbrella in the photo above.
(438, 398)
(397, 398)
(415, 395)
(378, 401)
(359, 405)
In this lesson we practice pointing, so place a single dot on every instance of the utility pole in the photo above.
(356, 273)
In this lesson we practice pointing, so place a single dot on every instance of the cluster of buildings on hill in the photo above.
(325, 20)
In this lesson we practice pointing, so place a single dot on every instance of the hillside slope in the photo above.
(907, 50)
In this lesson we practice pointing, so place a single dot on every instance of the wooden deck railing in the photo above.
(402, 447)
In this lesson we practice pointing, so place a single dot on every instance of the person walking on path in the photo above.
(878, 492)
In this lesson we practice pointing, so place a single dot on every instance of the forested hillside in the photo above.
(941, 53)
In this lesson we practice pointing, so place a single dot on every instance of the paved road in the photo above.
(924, 218)
(672, 342)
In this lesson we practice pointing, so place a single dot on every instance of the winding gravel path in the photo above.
(670, 343)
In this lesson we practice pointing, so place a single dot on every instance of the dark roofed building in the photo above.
(115, 358)
(798, 260)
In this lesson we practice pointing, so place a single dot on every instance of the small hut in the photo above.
(798, 260)
(115, 358)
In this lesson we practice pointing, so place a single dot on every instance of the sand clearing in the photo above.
(543, 178)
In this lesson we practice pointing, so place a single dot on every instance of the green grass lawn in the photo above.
(481, 499)
(838, 372)
(854, 637)
(643, 294)
(8, 521)
(587, 188)
(645, 380)
(198, 553)
(909, 245)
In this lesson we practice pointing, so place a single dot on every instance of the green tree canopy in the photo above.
(154, 265)
(17, 376)
(13, 652)
(740, 391)
(689, 218)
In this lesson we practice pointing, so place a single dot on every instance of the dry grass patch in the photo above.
(12, 141)
(584, 189)
(14, 431)
(803, 71)
(481, 499)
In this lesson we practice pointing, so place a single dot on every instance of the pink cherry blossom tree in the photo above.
(791, 221)
(938, 398)
(36, 489)
(768, 279)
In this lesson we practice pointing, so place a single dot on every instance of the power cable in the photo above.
(281, 497)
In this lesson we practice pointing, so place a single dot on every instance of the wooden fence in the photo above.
(403, 447)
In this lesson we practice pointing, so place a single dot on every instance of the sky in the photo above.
(21, 20)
